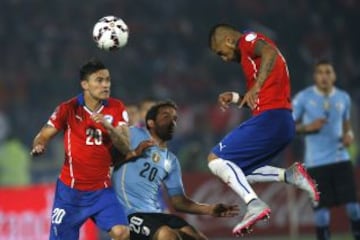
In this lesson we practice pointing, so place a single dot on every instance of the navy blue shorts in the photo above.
(256, 141)
(73, 207)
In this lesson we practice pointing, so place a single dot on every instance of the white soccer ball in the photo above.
(110, 33)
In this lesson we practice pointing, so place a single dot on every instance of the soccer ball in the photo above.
(110, 33)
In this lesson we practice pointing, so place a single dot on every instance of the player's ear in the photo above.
(83, 84)
(150, 123)
(229, 42)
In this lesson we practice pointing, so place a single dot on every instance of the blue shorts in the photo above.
(255, 142)
(73, 207)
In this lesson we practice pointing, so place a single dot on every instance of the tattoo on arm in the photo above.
(268, 57)
(259, 45)
(120, 139)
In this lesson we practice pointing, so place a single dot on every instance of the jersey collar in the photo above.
(318, 92)
(81, 100)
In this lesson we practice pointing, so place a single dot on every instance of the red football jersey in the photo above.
(275, 93)
(87, 144)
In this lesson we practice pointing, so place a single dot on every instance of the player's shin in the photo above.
(353, 211)
(267, 174)
(232, 175)
(322, 221)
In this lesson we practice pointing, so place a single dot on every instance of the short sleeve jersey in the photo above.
(88, 147)
(275, 93)
(323, 147)
(137, 183)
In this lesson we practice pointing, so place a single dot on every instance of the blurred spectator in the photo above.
(44, 42)
(134, 116)
(14, 157)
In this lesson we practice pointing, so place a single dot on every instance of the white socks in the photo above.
(267, 174)
(234, 177)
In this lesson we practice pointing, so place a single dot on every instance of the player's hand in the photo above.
(223, 210)
(251, 98)
(139, 150)
(37, 150)
(99, 118)
(347, 139)
(225, 99)
(316, 125)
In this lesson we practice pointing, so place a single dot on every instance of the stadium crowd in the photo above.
(43, 43)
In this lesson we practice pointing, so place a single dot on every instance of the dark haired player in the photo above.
(92, 123)
(322, 113)
(137, 183)
(244, 154)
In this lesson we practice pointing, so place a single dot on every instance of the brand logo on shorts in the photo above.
(221, 146)
(145, 231)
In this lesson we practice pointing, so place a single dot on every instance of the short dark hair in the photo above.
(154, 110)
(91, 66)
(216, 27)
(323, 62)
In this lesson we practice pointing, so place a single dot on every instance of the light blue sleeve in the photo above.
(347, 111)
(298, 106)
(173, 182)
(137, 135)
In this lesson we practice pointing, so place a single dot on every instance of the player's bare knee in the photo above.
(166, 233)
(120, 232)
(212, 157)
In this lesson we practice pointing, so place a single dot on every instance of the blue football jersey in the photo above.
(137, 182)
(325, 146)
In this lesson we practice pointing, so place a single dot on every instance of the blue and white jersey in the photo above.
(137, 182)
(323, 147)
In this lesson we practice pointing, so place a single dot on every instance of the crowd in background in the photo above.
(43, 43)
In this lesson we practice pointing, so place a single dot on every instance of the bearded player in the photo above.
(243, 155)
(92, 123)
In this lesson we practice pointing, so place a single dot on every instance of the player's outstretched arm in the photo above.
(42, 139)
(182, 203)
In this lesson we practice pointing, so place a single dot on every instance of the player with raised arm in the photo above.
(92, 123)
(137, 183)
(243, 155)
(322, 113)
